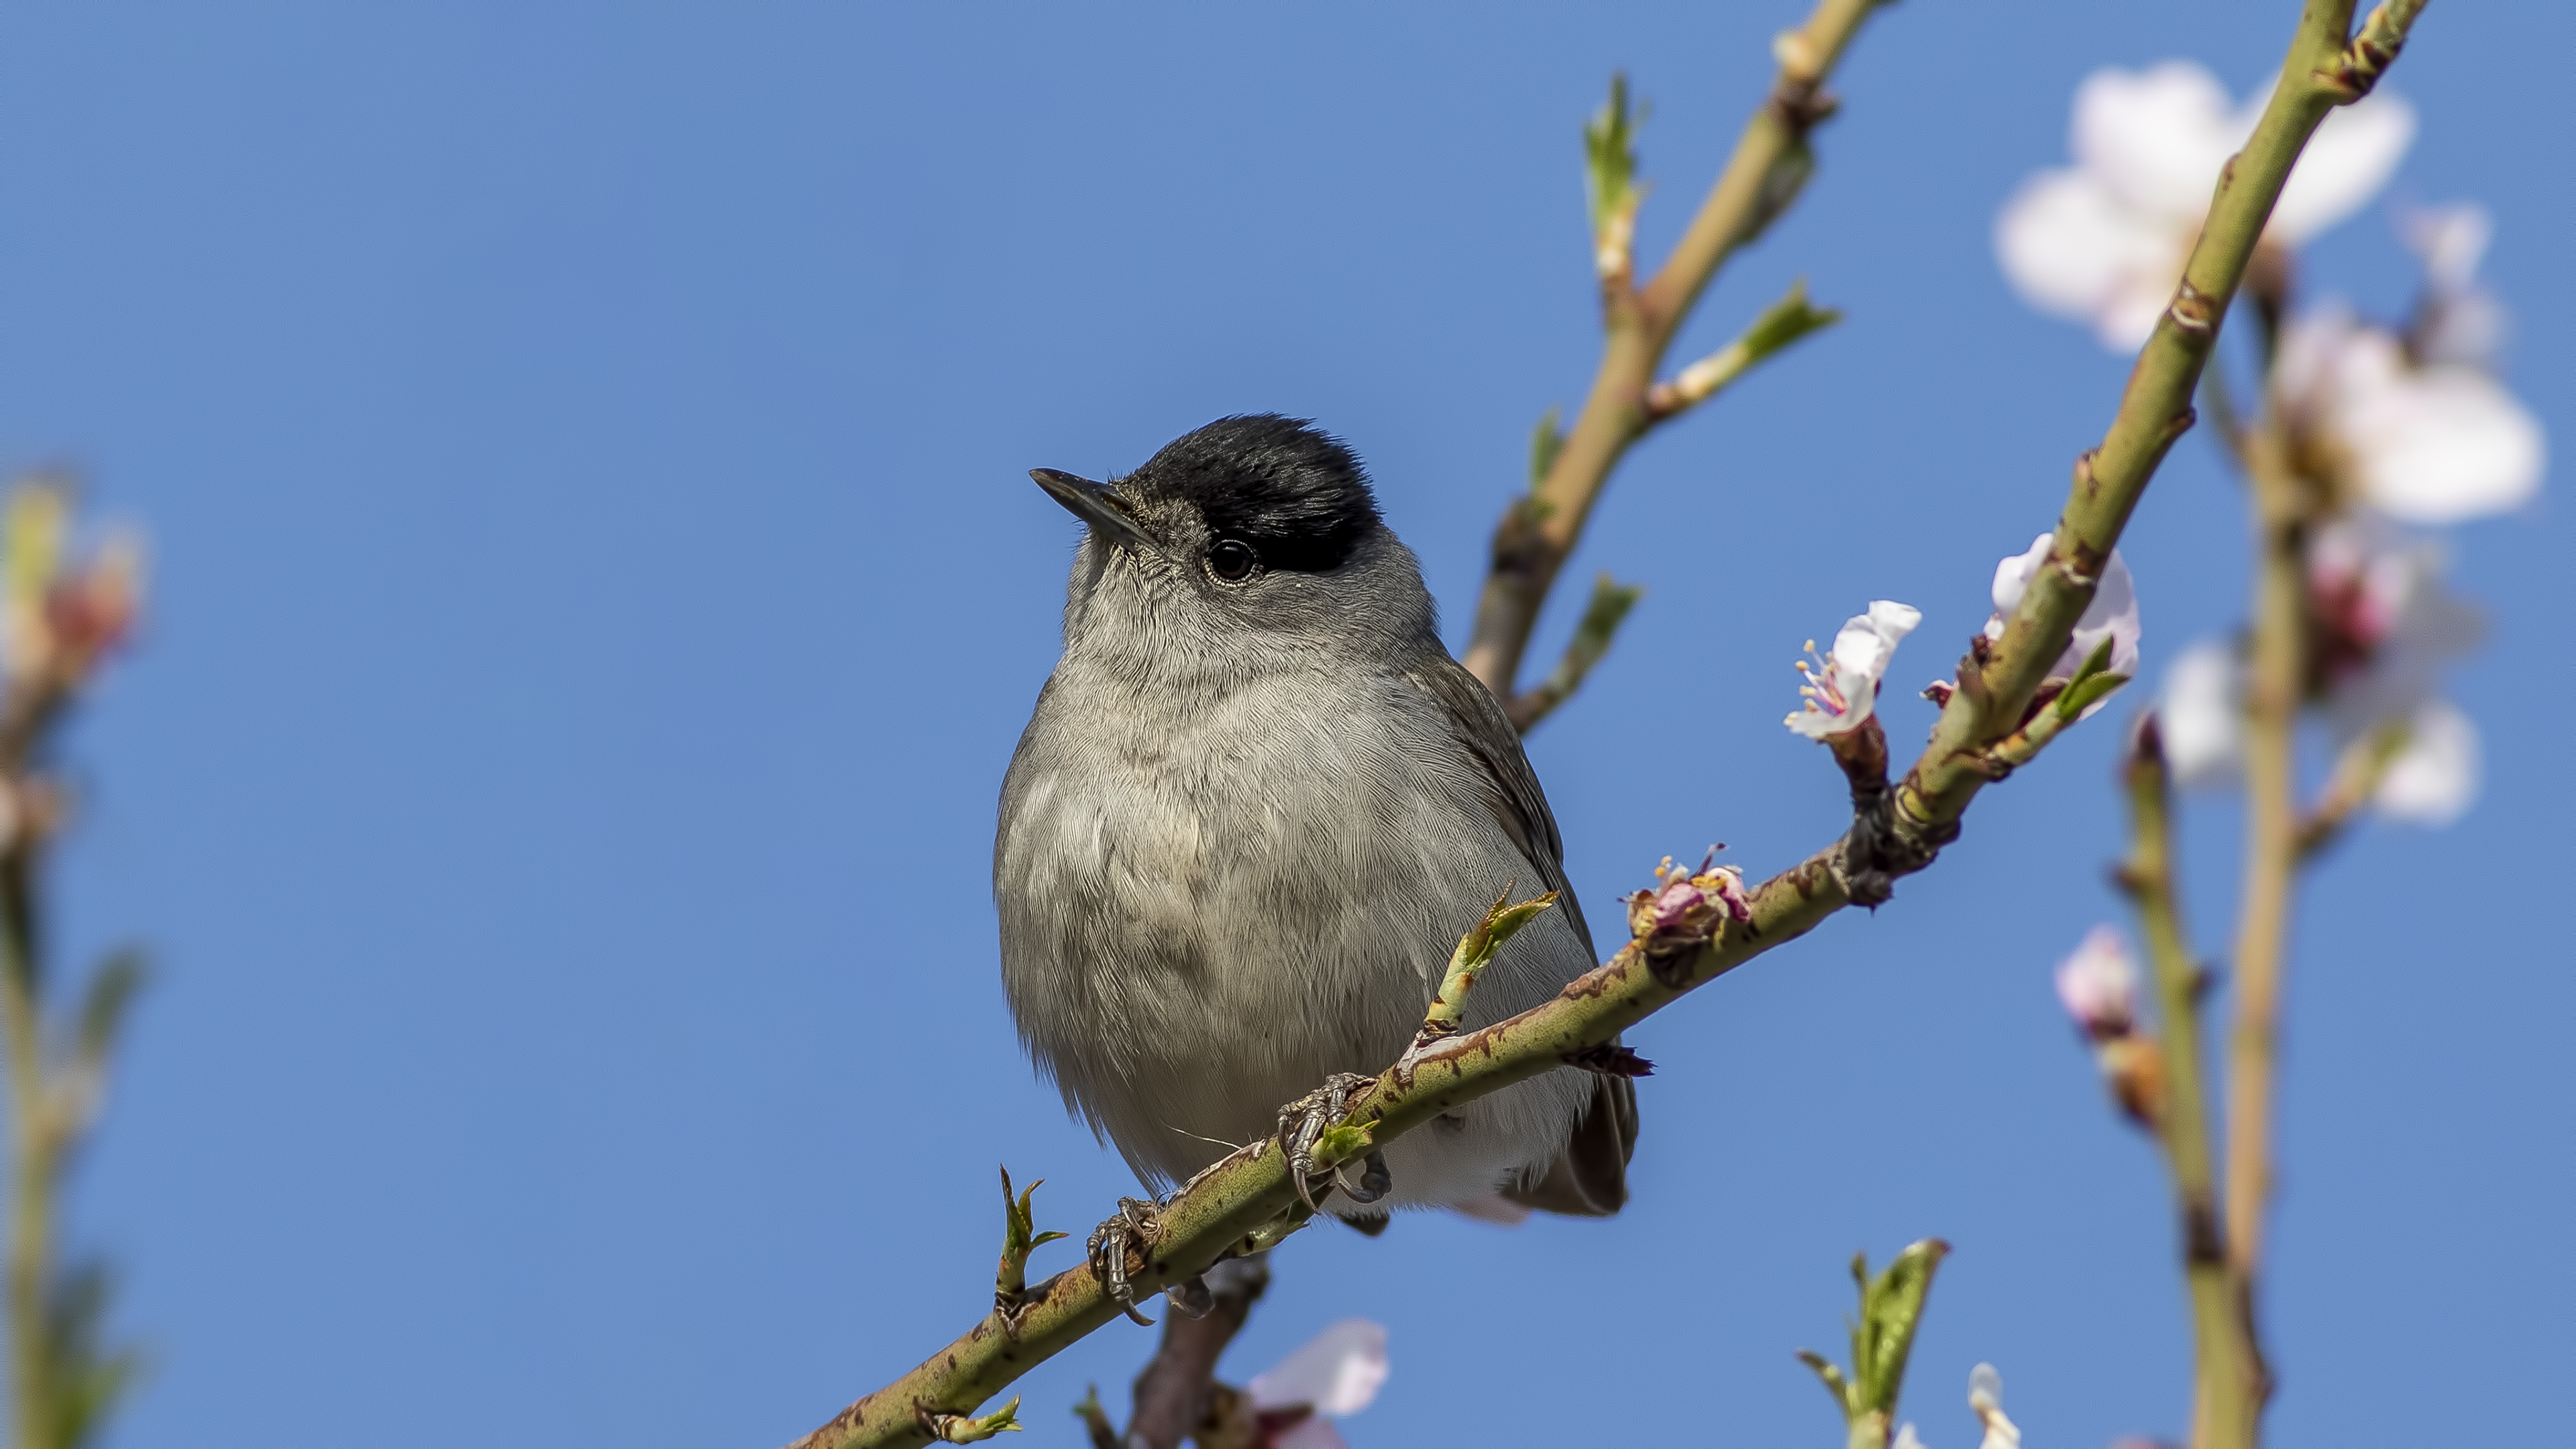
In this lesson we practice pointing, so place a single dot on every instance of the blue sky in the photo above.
(598, 590)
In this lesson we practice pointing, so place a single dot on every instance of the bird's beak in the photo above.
(1094, 504)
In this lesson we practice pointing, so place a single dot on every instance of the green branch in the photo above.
(2227, 1368)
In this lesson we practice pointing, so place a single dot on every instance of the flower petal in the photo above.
(2112, 615)
(2345, 164)
(2202, 715)
(2155, 137)
(2013, 575)
(1338, 1371)
(2072, 249)
(2435, 777)
(2445, 444)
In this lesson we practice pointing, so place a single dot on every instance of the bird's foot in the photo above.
(1108, 1252)
(1303, 1122)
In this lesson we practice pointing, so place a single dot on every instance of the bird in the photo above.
(1253, 810)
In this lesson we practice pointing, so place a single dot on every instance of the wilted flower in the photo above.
(1331, 1376)
(2202, 715)
(2099, 985)
(2112, 615)
(2105, 242)
(2426, 441)
(1843, 691)
(1687, 907)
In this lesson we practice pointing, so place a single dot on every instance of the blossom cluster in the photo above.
(2399, 427)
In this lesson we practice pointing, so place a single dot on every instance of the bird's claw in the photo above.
(1375, 1181)
(1303, 1121)
(1107, 1250)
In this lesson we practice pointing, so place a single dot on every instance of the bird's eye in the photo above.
(1232, 560)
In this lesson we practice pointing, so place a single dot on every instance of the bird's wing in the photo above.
(1589, 1177)
(1512, 791)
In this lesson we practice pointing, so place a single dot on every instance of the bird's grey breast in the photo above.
(1209, 903)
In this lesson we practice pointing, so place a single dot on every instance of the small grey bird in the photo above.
(1256, 807)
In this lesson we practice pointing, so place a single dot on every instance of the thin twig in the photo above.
(2357, 775)
(2228, 1376)
(1611, 601)
(1539, 532)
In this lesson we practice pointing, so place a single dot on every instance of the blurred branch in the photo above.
(1241, 1204)
(1763, 177)
(58, 622)
(2357, 773)
(2228, 1374)
(1177, 1395)
(1611, 601)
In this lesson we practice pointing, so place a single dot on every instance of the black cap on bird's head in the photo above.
(1257, 493)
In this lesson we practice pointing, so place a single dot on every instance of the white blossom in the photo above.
(1842, 691)
(2384, 628)
(2105, 242)
(2098, 984)
(2112, 615)
(2387, 626)
(2424, 442)
(2435, 776)
(2201, 715)
(1336, 1374)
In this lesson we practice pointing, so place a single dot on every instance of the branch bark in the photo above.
(1240, 1204)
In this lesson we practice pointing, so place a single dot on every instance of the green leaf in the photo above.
(111, 991)
(1610, 155)
(958, 1429)
(1340, 1143)
(2094, 663)
(1546, 441)
(1835, 1383)
(1784, 322)
(1890, 1311)
(2080, 696)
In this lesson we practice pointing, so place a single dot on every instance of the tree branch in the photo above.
(1997, 684)
(1539, 532)
(1176, 1391)
(2228, 1376)
(1240, 1204)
